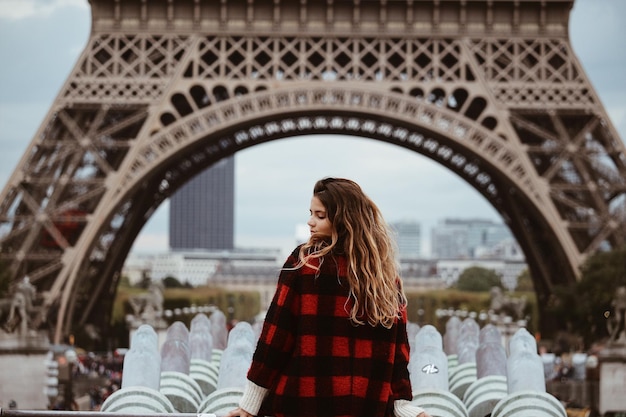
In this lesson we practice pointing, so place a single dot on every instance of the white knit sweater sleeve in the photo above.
(252, 398)
(404, 408)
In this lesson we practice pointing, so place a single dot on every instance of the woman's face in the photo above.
(319, 222)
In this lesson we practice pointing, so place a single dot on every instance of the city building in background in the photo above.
(199, 268)
(202, 212)
(473, 239)
(202, 250)
(449, 270)
(235, 270)
(457, 245)
(408, 235)
(449, 241)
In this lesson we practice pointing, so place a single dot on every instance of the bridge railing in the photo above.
(57, 413)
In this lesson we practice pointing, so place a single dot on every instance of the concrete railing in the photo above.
(188, 376)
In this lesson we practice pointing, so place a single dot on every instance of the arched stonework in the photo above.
(490, 90)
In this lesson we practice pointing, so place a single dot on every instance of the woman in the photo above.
(334, 341)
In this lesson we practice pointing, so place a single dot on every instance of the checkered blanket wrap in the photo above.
(315, 361)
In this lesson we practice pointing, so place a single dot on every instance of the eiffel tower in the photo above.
(491, 90)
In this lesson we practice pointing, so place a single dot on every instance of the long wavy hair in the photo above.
(360, 233)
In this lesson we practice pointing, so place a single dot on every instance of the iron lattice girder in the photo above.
(491, 90)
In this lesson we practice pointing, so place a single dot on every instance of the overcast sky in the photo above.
(40, 41)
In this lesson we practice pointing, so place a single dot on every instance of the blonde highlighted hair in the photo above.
(360, 233)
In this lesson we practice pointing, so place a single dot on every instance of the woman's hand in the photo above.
(424, 414)
(240, 412)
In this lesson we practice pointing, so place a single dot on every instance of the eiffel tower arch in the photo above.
(492, 90)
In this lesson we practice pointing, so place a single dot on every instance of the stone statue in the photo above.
(503, 304)
(148, 306)
(617, 321)
(21, 307)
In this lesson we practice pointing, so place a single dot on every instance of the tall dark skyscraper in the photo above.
(202, 212)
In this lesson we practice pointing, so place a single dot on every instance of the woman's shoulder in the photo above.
(293, 257)
(335, 259)
(310, 265)
(296, 251)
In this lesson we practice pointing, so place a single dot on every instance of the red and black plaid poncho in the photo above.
(315, 361)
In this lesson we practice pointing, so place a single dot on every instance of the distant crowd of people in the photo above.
(94, 376)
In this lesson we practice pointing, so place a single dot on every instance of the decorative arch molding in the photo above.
(175, 153)
(435, 118)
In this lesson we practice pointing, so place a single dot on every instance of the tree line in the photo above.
(584, 307)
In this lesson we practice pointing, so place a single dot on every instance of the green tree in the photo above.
(171, 282)
(525, 282)
(586, 306)
(124, 281)
(478, 279)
